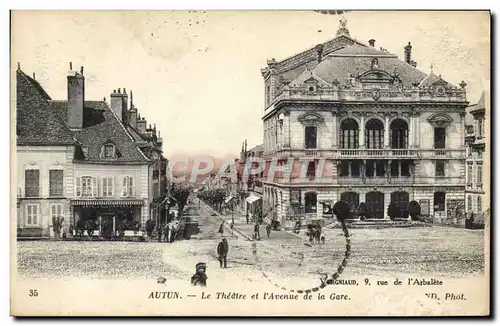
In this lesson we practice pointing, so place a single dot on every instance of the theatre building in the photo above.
(386, 131)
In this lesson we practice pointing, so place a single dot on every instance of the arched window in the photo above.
(352, 198)
(349, 137)
(310, 202)
(399, 134)
(374, 134)
(469, 203)
(479, 205)
(108, 150)
(375, 204)
(401, 198)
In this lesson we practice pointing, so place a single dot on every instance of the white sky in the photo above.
(197, 74)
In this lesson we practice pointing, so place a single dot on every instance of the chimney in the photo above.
(141, 125)
(76, 98)
(408, 53)
(372, 42)
(119, 102)
(132, 112)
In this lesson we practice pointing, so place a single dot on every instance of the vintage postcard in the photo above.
(250, 163)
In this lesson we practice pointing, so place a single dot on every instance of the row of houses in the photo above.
(84, 160)
(387, 131)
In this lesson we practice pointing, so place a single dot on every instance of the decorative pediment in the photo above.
(311, 119)
(440, 120)
(376, 76)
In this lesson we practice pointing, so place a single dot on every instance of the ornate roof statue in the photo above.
(343, 27)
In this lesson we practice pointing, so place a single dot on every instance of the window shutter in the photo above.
(95, 189)
(35, 214)
(78, 187)
(111, 186)
(124, 192)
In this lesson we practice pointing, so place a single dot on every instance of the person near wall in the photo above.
(222, 250)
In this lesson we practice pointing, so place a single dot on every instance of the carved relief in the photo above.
(311, 119)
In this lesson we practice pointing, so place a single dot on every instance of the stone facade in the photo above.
(371, 128)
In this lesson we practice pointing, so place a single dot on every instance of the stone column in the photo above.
(387, 201)
(286, 129)
(335, 131)
(411, 132)
(386, 132)
(362, 133)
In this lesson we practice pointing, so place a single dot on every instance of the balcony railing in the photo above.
(375, 180)
(376, 153)
(442, 153)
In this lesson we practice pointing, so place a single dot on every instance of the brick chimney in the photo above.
(408, 53)
(141, 125)
(372, 42)
(319, 52)
(132, 113)
(76, 98)
(118, 102)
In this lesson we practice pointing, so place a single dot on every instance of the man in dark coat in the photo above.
(200, 277)
(256, 231)
(222, 250)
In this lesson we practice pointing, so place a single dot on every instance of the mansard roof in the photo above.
(100, 126)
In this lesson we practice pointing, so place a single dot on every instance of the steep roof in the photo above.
(37, 124)
(101, 126)
(339, 65)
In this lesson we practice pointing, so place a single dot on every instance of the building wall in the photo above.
(44, 158)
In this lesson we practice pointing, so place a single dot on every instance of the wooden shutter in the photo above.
(28, 214)
(124, 187)
(95, 189)
(78, 187)
(35, 214)
(112, 185)
(131, 186)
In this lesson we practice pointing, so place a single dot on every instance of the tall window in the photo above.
(439, 138)
(479, 175)
(107, 186)
(311, 170)
(85, 186)
(56, 210)
(268, 95)
(32, 215)
(440, 168)
(310, 135)
(128, 186)
(479, 204)
(352, 198)
(480, 128)
(439, 201)
(32, 183)
(401, 198)
(374, 134)
(349, 134)
(399, 134)
(469, 203)
(56, 183)
(310, 202)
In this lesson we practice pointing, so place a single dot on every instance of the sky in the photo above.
(197, 74)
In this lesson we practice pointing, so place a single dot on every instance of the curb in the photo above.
(208, 208)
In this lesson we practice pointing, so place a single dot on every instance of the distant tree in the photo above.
(342, 210)
(393, 210)
(181, 195)
(414, 210)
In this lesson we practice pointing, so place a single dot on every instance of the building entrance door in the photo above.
(375, 204)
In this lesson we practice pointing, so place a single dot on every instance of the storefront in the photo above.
(105, 216)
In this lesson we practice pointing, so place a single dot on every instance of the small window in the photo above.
(479, 205)
(32, 215)
(108, 151)
(56, 183)
(469, 203)
(440, 168)
(469, 174)
(107, 186)
(479, 175)
(85, 186)
(128, 186)
(56, 210)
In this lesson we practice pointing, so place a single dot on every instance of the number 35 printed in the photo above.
(33, 293)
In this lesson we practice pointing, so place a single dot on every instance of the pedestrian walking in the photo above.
(248, 220)
(221, 229)
(222, 250)
(166, 237)
(232, 228)
(268, 230)
(200, 277)
(160, 231)
(256, 231)
(254, 252)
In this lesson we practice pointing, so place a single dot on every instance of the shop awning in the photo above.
(228, 199)
(252, 198)
(168, 200)
(104, 202)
